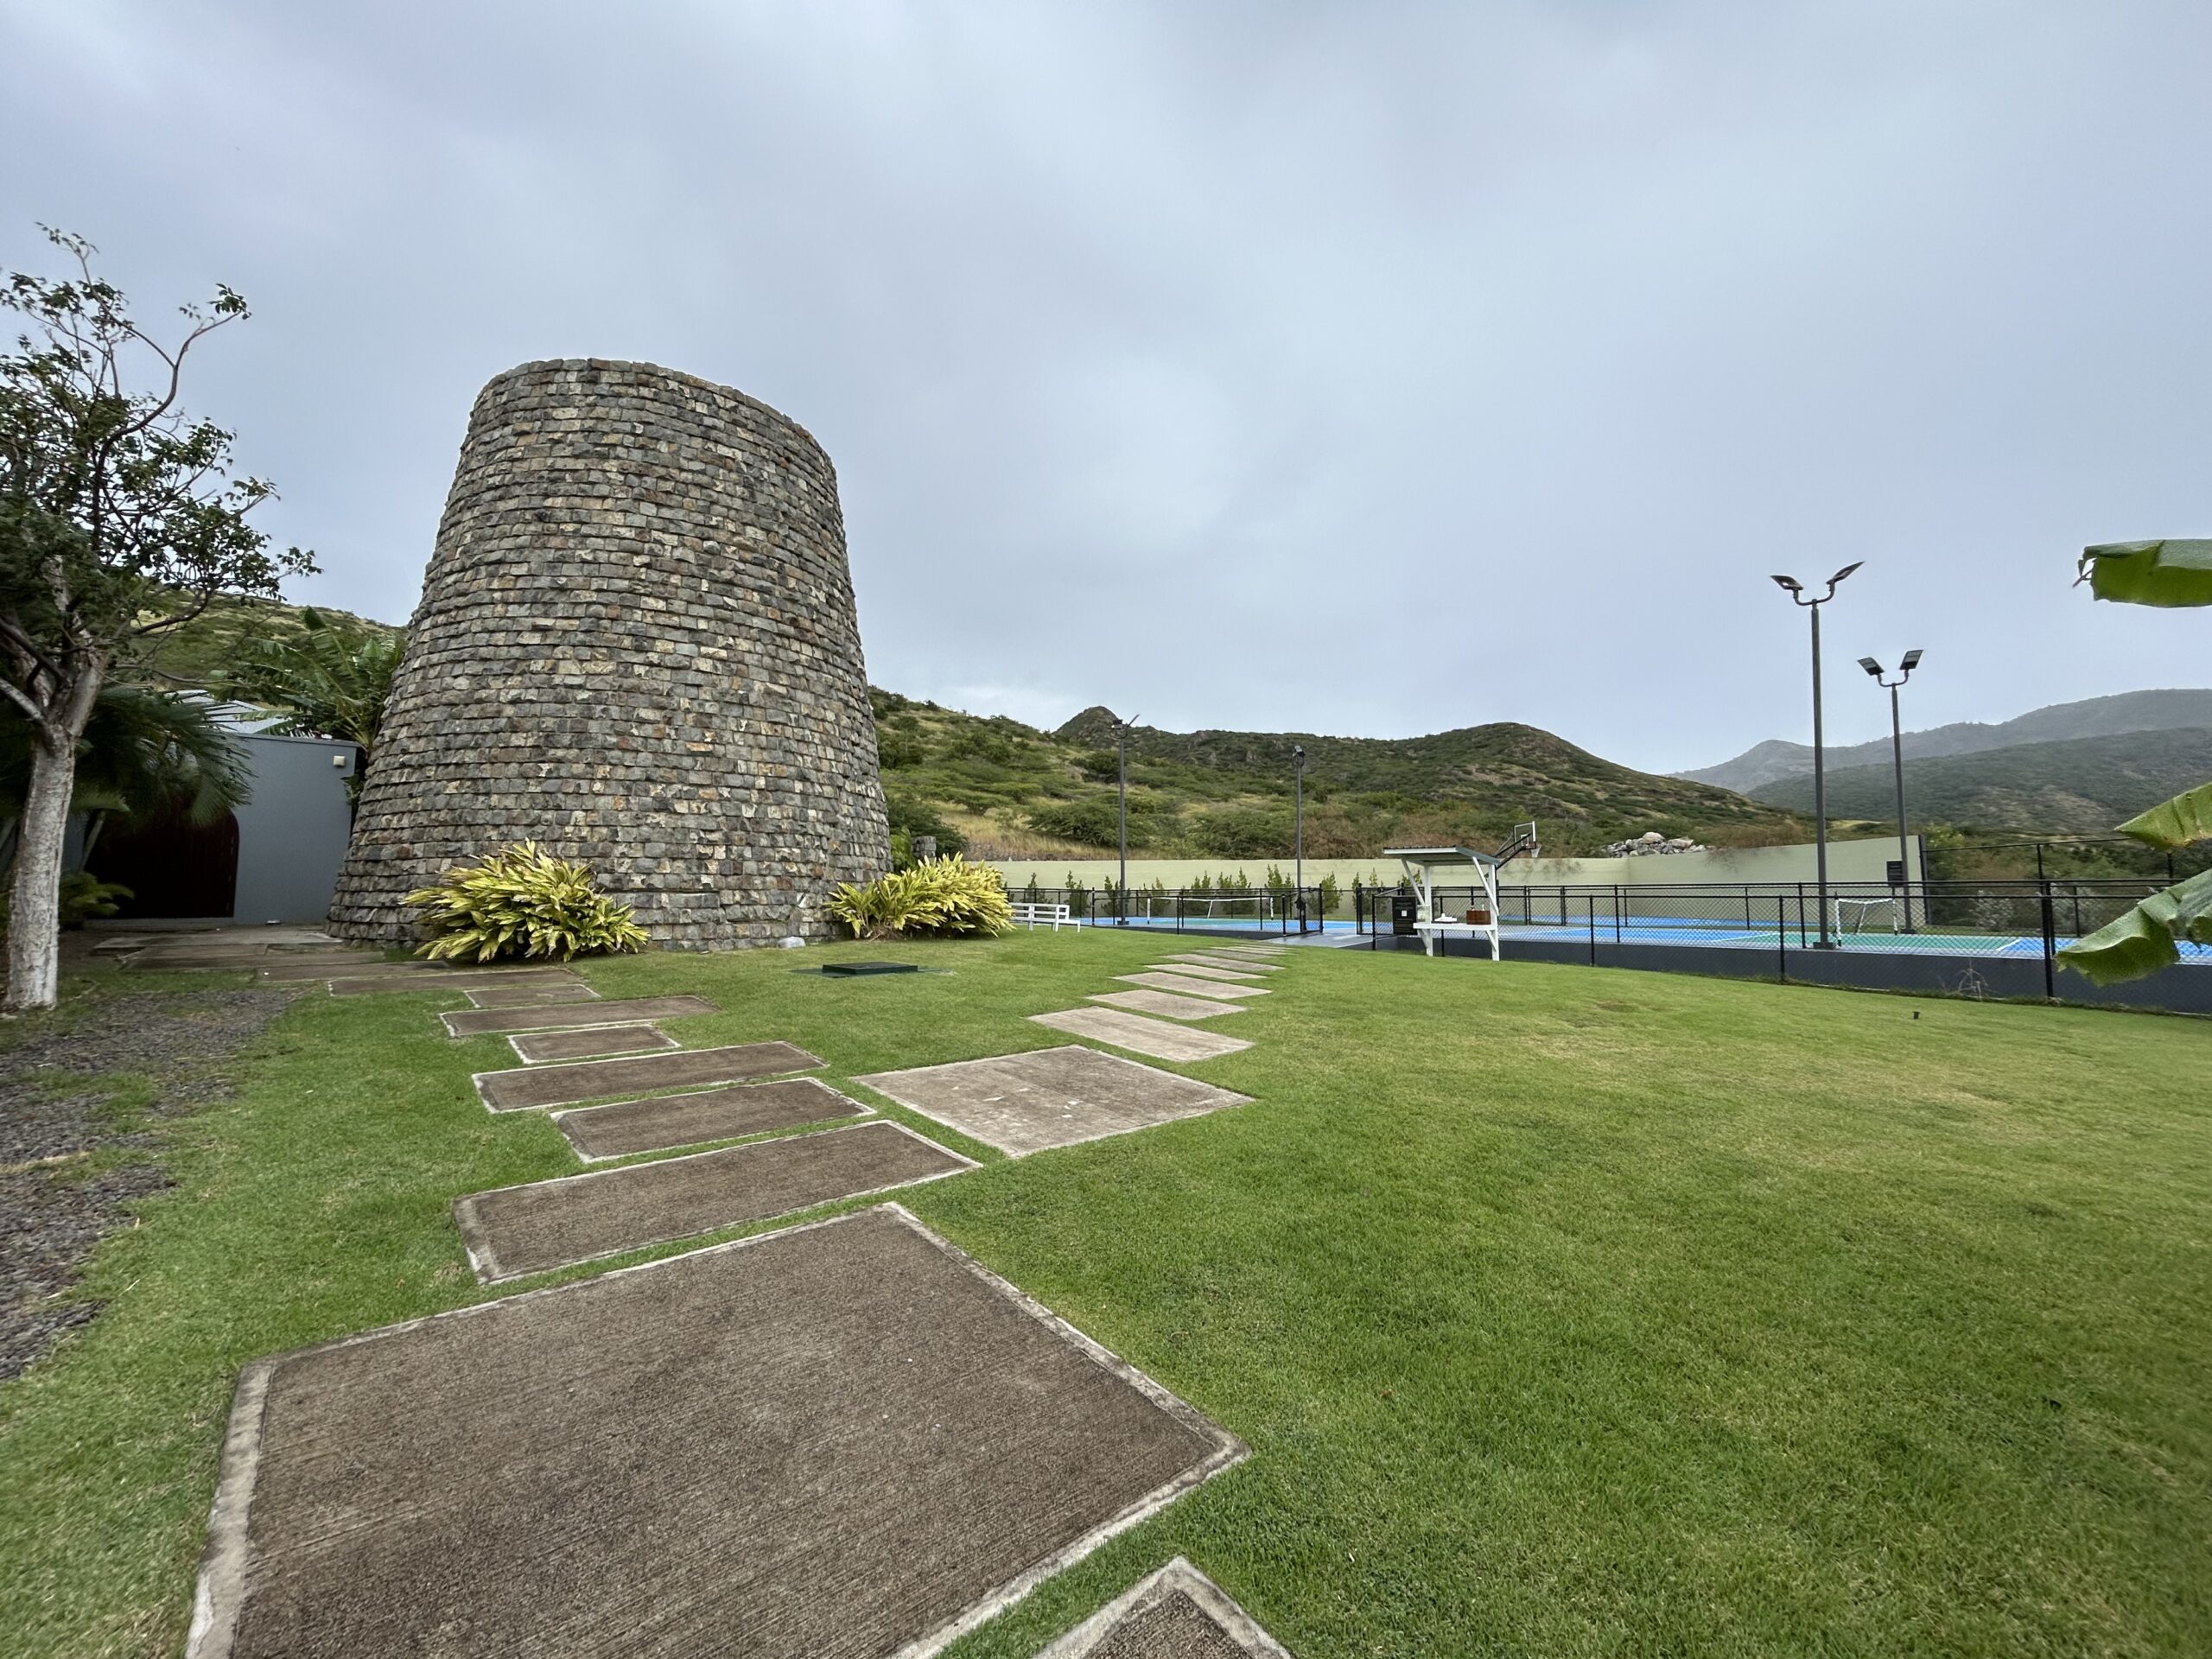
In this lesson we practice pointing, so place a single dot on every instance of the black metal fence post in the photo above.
(1593, 930)
(1781, 938)
(2049, 945)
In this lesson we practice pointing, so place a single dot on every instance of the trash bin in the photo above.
(1405, 911)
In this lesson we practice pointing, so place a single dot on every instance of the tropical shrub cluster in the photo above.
(84, 898)
(521, 902)
(937, 896)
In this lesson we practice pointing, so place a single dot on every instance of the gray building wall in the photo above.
(292, 833)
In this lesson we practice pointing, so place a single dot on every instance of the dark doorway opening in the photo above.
(174, 867)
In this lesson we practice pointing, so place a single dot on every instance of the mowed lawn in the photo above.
(1565, 1311)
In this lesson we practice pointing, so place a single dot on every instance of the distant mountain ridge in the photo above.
(2127, 711)
(2082, 786)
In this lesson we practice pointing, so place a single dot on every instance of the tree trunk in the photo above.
(34, 904)
(35, 897)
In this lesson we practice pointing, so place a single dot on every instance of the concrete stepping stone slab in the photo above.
(1243, 976)
(1133, 1032)
(583, 1081)
(1190, 987)
(359, 964)
(1054, 1097)
(582, 1471)
(1248, 952)
(1176, 1613)
(522, 1230)
(229, 962)
(1168, 1004)
(445, 979)
(1235, 964)
(532, 996)
(590, 1043)
(666, 1122)
(608, 1011)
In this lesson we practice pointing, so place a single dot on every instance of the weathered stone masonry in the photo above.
(637, 647)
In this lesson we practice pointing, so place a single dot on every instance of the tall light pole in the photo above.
(1121, 756)
(1298, 847)
(1896, 759)
(1795, 589)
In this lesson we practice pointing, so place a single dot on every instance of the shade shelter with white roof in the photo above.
(1430, 867)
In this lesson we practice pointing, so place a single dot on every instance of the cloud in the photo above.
(1373, 369)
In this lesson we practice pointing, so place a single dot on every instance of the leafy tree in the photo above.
(142, 751)
(333, 679)
(2148, 936)
(120, 518)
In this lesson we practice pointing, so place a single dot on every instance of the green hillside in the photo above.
(194, 655)
(2083, 786)
(1009, 789)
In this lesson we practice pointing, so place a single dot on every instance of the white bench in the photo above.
(1055, 914)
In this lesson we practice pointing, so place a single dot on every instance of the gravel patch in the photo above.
(58, 1197)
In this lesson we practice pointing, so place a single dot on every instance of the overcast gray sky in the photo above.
(1364, 369)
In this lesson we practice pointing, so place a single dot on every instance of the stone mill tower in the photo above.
(637, 647)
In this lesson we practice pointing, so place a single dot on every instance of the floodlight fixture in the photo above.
(1897, 761)
(1813, 603)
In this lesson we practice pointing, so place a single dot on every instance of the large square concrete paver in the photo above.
(842, 1440)
(584, 1080)
(689, 1120)
(1157, 1039)
(1166, 1004)
(593, 1042)
(1184, 985)
(514, 1230)
(1050, 1097)
(1206, 970)
(610, 1010)
(1176, 1613)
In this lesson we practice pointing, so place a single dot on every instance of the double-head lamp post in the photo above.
(1897, 759)
(1298, 844)
(1795, 589)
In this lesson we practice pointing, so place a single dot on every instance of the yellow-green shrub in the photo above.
(944, 896)
(521, 902)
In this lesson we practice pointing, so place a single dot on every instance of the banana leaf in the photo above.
(2182, 821)
(2148, 937)
(2168, 573)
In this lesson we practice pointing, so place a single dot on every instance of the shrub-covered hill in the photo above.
(2082, 786)
(1006, 787)
(195, 654)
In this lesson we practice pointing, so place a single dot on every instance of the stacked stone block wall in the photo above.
(636, 647)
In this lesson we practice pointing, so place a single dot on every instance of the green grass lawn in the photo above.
(1566, 1311)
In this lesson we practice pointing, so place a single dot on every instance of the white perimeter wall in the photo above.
(1848, 861)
